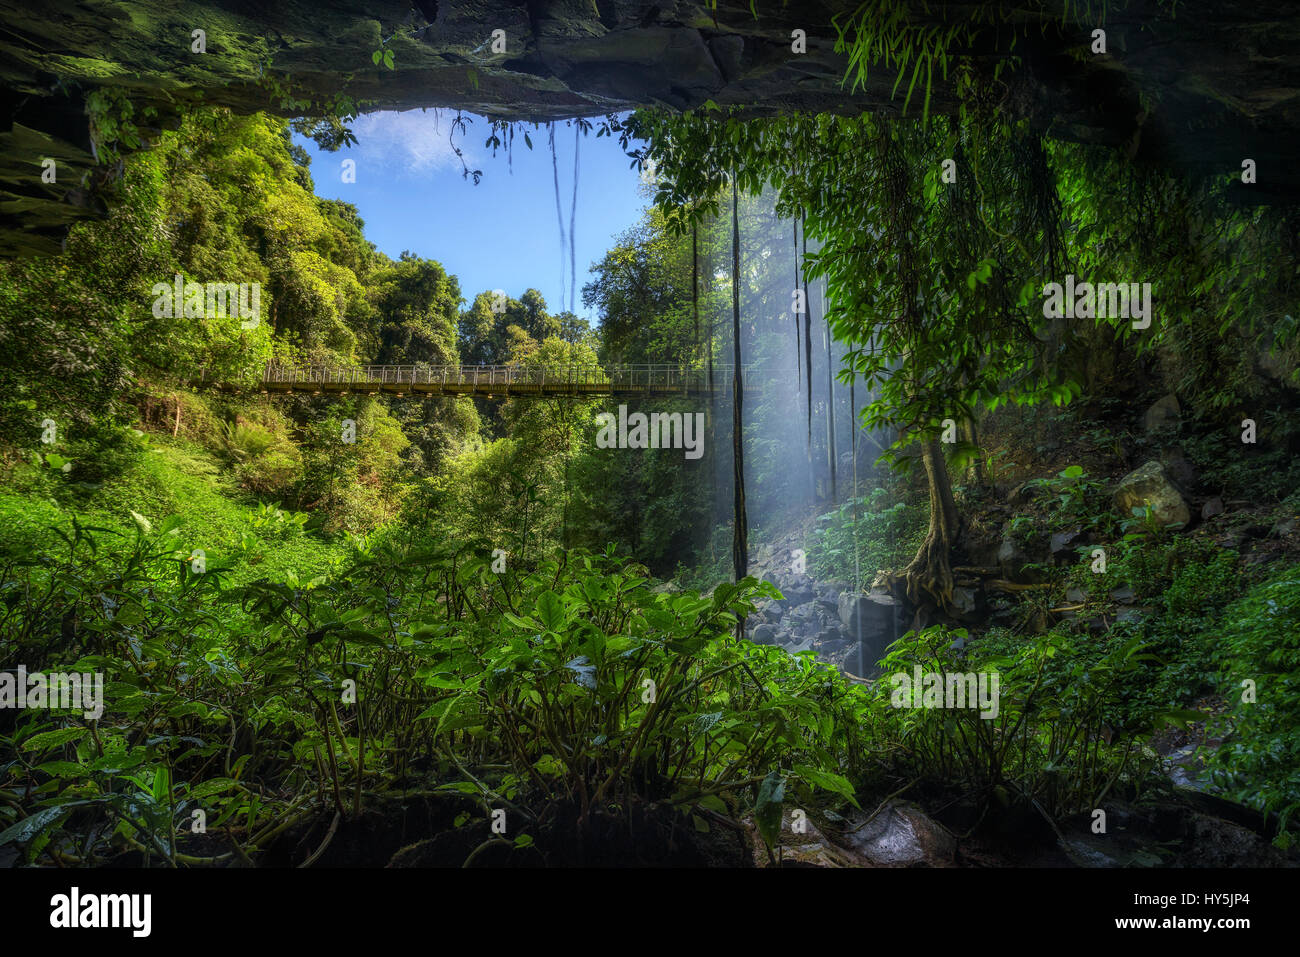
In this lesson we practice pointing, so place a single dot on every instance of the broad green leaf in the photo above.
(52, 739)
(550, 610)
(828, 781)
(767, 808)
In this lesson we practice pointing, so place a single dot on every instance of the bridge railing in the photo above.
(636, 377)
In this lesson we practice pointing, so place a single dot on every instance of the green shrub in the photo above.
(1061, 735)
(265, 459)
(1259, 642)
(570, 694)
(887, 536)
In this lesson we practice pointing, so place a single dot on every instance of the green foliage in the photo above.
(617, 694)
(265, 459)
(1259, 642)
(1074, 500)
(528, 689)
(1058, 698)
(886, 536)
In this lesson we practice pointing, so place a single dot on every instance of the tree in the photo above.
(935, 327)
(417, 305)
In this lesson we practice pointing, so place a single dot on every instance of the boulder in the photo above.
(801, 612)
(797, 589)
(764, 635)
(831, 639)
(1178, 470)
(903, 835)
(803, 621)
(965, 603)
(876, 618)
(1062, 545)
(1148, 486)
(1011, 555)
(1163, 414)
(830, 591)
(799, 647)
(1212, 508)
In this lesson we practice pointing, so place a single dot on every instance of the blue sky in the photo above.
(501, 233)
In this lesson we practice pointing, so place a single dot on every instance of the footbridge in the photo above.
(500, 380)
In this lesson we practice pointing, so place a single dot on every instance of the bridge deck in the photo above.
(500, 380)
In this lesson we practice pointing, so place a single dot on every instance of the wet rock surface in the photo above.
(1226, 75)
(902, 835)
(1149, 487)
(825, 617)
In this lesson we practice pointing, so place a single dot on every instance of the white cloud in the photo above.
(416, 141)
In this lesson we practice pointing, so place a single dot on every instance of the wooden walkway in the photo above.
(491, 381)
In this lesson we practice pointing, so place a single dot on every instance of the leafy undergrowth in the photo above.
(239, 536)
(1260, 761)
(885, 537)
(571, 694)
(258, 707)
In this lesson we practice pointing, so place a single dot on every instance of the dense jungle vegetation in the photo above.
(306, 639)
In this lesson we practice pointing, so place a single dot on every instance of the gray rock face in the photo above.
(965, 603)
(903, 835)
(1062, 544)
(877, 618)
(1012, 559)
(801, 613)
(582, 59)
(830, 591)
(1164, 413)
(1148, 486)
(798, 594)
(831, 639)
(764, 635)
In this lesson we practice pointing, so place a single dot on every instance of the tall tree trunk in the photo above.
(857, 563)
(740, 538)
(975, 471)
(807, 354)
(711, 425)
(798, 369)
(830, 389)
(695, 282)
(930, 572)
(708, 272)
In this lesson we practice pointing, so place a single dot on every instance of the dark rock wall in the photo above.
(1199, 89)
